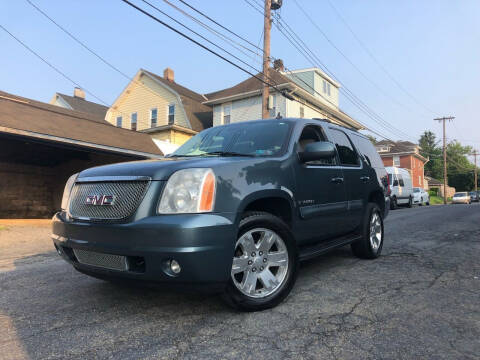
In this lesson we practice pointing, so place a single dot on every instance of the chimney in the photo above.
(278, 65)
(168, 74)
(79, 93)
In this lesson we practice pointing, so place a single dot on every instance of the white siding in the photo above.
(332, 99)
(217, 115)
(247, 109)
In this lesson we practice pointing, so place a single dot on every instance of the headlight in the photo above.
(67, 190)
(189, 191)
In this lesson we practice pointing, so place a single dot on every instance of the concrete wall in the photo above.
(33, 176)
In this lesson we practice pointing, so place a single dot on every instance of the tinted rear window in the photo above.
(367, 150)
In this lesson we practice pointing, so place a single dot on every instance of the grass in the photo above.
(436, 200)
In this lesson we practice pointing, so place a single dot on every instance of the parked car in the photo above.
(233, 209)
(400, 187)
(420, 196)
(474, 196)
(461, 198)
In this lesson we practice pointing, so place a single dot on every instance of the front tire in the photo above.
(265, 263)
(393, 203)
(371, 244)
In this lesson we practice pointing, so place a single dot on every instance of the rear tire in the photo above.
(265, 263)
(410, 202)
(371, 244)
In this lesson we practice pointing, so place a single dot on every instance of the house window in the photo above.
(133, 121)
(328, 89)
(302, 112)
(171, 114)
(396, 161)
(324, 87)
(119, 121)
(153, 117)
(227, 112)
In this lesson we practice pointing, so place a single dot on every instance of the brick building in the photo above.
(42, 145)
(404, 154)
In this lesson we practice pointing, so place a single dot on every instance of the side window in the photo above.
(310, 134)
(400, 180)
(395, 180)
(347, 155)
(367, 150)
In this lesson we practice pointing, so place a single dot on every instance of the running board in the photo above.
(323, 247)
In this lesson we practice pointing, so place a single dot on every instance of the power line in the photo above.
(217, 23)
(308, 54)
(383, 92)
(50, 65)
(303, 48)
(198, 43)
(365, 48)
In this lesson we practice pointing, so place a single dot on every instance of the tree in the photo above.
(459, 168)
(430, 150)
(373, 139)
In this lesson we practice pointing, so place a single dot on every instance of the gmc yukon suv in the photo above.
(233, 210)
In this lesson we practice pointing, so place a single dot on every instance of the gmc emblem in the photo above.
(100, 200)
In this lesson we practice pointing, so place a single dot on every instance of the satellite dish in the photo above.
(276, 4)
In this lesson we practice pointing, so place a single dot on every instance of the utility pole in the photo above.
(267, 26)
(475, 154)
(444, 119)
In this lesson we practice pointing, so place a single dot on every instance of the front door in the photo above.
(321, 196)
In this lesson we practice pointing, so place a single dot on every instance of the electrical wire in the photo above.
(365, 48)
(51, 65)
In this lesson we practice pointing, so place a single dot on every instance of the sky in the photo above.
(430, 48)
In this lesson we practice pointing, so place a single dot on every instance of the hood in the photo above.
(158, 169)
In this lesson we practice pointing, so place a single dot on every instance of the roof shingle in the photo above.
(37, 117)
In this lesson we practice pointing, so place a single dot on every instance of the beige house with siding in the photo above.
(317, 95)
(167, 111)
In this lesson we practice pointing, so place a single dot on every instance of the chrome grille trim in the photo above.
(128, 195)
(106, 261)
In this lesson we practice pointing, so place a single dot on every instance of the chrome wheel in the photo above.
(375, 231)
(260, 263)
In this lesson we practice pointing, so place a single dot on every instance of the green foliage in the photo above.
(436, 200)
(433, 192)
(373, 139)
(459, 168)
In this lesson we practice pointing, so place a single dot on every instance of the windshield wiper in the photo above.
(227, 153)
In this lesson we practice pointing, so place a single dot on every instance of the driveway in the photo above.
(420, 300)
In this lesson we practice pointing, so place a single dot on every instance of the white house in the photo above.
(317, 94)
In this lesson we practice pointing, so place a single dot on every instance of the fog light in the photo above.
(175, 266)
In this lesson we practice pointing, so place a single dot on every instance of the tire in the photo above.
(246, 289)
(410, 202)
(370, 247)
(393, 203)
(421, 202)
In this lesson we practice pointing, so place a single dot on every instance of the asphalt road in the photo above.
(420, 300)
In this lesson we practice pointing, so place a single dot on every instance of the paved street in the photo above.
(420, 300)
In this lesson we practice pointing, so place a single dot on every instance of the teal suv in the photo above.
(235, 209)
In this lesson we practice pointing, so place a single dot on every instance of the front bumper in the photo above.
(203, 245)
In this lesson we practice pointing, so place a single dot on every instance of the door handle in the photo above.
(337, 180)
(365, 178)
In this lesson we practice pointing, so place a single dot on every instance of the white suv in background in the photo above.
(420, 196)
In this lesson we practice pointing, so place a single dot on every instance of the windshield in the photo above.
(259, 138)
(416, 190)
(460, 194)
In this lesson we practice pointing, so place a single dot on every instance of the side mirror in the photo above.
(321, 150)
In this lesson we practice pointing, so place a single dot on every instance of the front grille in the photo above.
(106, 261)
(127, 196)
